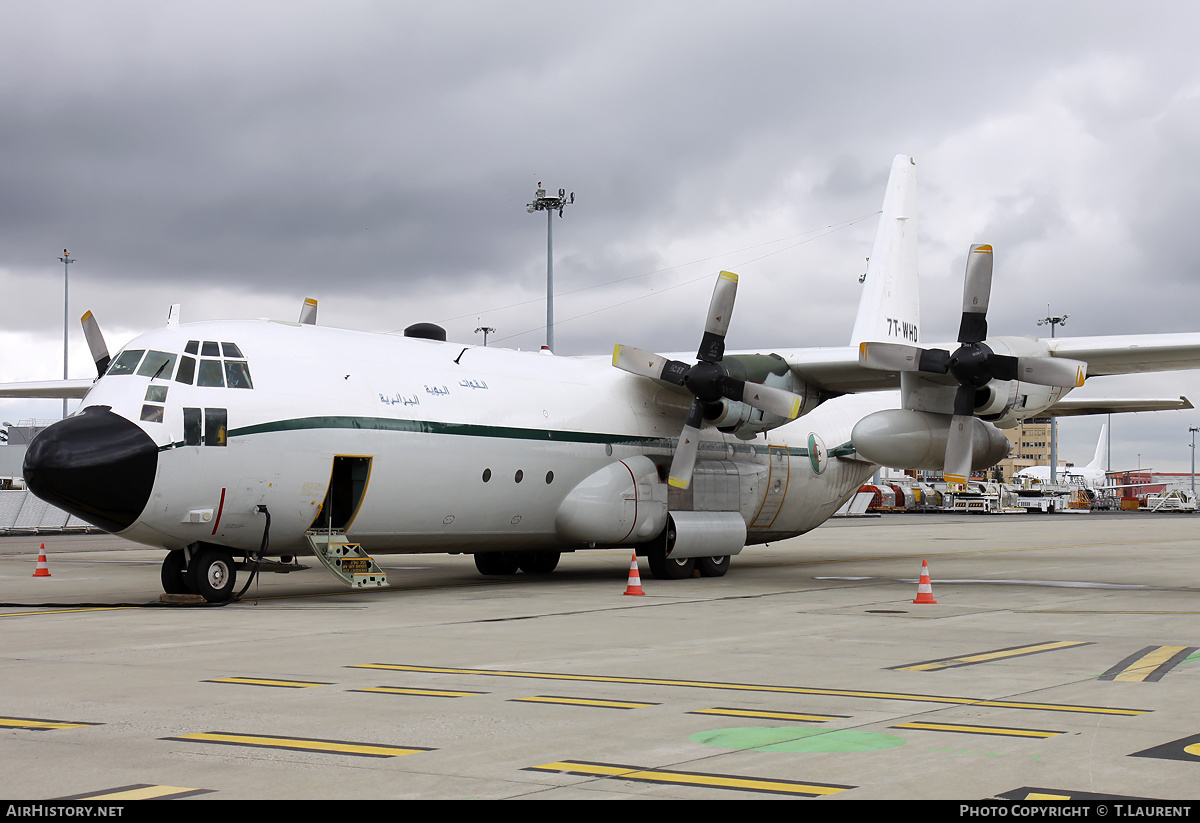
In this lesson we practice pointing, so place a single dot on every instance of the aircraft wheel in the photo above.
(666, 568)
(174, 573)
(496, 562)
(538, 562)
(712, 566)
(211, 574)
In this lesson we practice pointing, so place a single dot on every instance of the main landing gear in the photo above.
(544, 562)
(501, 563)
(664, 567)
(211, 573)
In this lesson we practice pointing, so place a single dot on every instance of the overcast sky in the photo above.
(237, 158)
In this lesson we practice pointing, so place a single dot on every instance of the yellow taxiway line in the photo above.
(748, 687)
(301, 744)
(719, 781)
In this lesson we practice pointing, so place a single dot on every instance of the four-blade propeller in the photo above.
(708, 380)
(973, 364)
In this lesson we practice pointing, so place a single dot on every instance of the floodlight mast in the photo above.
(67, 260)
(1053, 322)
(1193, 430)
(541, 202)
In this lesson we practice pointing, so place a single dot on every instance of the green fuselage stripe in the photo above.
(434, 427)
(473, 430)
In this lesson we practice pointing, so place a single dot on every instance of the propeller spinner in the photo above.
(973, 364)
(708, 379)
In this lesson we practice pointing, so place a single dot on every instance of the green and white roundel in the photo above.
(818, 456)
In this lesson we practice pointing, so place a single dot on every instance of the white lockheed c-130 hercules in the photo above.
(245, 444)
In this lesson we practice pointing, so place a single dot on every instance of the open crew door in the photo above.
(327, 534)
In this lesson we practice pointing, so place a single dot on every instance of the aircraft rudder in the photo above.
(889, 308)
(1098, 460)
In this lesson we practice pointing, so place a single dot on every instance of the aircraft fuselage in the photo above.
(414, 445)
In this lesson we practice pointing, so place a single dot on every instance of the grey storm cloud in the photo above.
(242, 156)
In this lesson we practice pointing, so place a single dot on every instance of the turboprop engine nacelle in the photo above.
(904, 439)
(743, 420)
(1007, 402)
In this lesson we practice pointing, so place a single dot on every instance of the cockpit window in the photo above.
(237, 374)
(210, 373)
(158, 364)
(187, 370)
(214, 372)
(126, 361)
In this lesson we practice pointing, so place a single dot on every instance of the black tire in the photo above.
(712, 566)
(496, 563)
(212, 574)
(666, 568)
(174, 573)
(538, 562)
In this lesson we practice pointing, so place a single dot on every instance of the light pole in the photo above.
(1193, 430)
(1053, 321)
(486, 331)
(549, 205)
(67, 260)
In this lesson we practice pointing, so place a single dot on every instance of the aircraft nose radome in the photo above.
(96, 465)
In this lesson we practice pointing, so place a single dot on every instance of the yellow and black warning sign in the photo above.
(1036, 793)
(356, 565)
(1149, 665)
(1186, 748)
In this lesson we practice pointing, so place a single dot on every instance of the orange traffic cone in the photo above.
(924, 588)
(42, 569)
(635, 579)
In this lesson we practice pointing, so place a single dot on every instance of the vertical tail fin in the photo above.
(1098, 462)
(890, 306)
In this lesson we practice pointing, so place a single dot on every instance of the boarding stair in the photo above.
(346, 560)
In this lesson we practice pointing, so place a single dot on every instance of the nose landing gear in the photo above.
(211, 573)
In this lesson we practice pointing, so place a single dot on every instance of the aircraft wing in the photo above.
(1131, 353)
(69, 389)
(1073, 406)
(837, 370)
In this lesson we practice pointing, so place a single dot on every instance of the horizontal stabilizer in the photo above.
(1077, 406)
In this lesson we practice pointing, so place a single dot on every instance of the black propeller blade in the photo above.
(95, 341)
(708, 379)
(973, 364)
